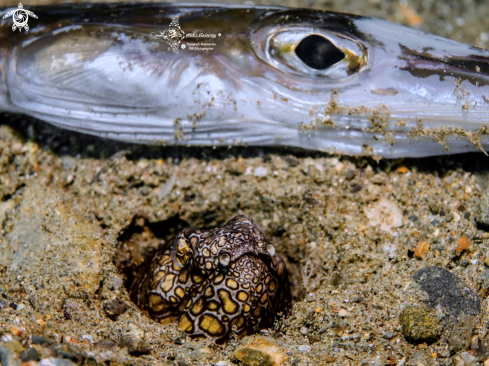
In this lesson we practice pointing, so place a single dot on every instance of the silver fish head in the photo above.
(208, 75)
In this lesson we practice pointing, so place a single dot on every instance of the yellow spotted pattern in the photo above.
(212, 281)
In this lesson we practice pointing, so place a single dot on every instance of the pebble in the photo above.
(260, 172)
(133, 341)
(420, 324)
(384, 213)
(114, 308)
(421, 249)
(388, 335)
(448, 291)
(304, 330)
(36, 339)
(5, 356)
(30, 354)
(56, 362)
(135, 345)
(462, 244)
(304, 348)
(461, 334)
(482, 209)
(343, 313)
(260, 351)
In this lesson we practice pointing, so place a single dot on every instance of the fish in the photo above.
(212, 75)
(209, 281)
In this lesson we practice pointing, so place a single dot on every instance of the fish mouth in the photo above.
(472, 68)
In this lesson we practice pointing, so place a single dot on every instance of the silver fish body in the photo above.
(259, 76)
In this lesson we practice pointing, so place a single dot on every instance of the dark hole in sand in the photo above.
(141, 240)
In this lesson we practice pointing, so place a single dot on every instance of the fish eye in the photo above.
(318, 53)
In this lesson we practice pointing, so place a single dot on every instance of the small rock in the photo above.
(62, 353)
(292, 160)
(449, 217)
(56, 362)
(435, 209)
(45, 341)
(260, 172)
(15, 346)
(135, 346)
(420, 324)
(114, 308)
(448, 291)
(388, 335)
(461, 334)
(384, 213)
(463, 244)
(468, 359)
(421, 249)
(421, 358)
(304, 330)
(71, 310)
(106, 344)
(114, 282)
(260, 351)
(482, 209)
(5, 356)
(30, 354)
(304, 348)
(343, 313)
(442, 351)
(17, 331)
(223, 363)
(200, 354)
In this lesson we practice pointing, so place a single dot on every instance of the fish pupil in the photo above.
(318, 53)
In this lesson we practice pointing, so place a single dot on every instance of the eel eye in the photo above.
(318, 53)
(181, 252)
(224, 259)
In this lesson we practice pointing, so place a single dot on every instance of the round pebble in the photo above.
(420, 324)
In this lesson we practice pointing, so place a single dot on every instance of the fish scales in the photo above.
(271, 76)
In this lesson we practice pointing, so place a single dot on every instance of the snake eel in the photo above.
(213, 281)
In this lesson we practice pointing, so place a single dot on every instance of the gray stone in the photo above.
(461, 334)
(5, 356)
(448, 291)
(482, 209)
(29, 354)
